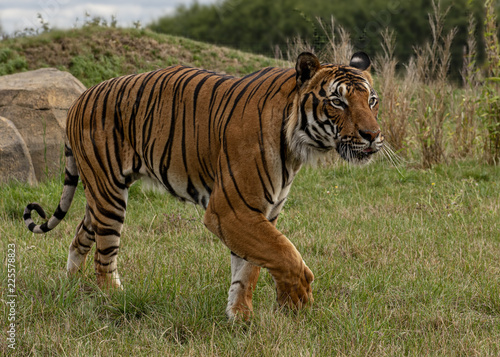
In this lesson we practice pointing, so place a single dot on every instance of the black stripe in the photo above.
(70, 180)
(87, 230)
(44, 228)
(231, 175)
(223, 187)
(97, 217)
(109, 250)
(59, 213)
(272, 219)
(236, 255)
(167, 152)
(196, 92)
(204, 202)
(136, 163)
(67, 151)
(267, 195)
(303, 115)
(107, 232)
(129, 180)
(238, 282)
(183, 138)
(80, 244)
(281, 201)
(213, 106)
(263, 158)
(285, 175)
(117, 181)
(105, 265)
(37, 208)
(110, 214)
(205, 185)
(192, 191)
(315, 103)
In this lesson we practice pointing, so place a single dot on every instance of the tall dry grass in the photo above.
(427, 117)
(339, 47)
(491, 89)
(433, 90)
(467, 105)
(396, 95)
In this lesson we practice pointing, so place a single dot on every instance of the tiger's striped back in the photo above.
(170, 125)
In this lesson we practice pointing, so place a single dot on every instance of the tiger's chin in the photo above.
(356, 157)
(308, 153)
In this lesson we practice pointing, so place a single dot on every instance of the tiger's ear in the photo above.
(307, 65)
(361, 61)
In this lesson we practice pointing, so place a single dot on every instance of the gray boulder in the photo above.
(37, 103)
(15, 159)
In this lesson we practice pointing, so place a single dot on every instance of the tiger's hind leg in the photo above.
(108, 215)
(244, 276)
(81, 244)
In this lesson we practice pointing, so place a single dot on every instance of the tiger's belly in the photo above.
(190, 188)
(275, 208)
(181, 187)
(197, 188)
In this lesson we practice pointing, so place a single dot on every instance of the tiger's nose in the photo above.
(369, 135)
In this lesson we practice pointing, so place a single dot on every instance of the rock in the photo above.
(37, 103)
(15, 159)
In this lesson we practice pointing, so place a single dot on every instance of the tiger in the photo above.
(231, 145)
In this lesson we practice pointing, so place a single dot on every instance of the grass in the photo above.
(406, 263)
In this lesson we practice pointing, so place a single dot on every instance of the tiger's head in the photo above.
(336, 108)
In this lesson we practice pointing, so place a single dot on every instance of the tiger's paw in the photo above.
(239, 304)
(107, 281)
(239, 313)
(76, 261)
(295, 292)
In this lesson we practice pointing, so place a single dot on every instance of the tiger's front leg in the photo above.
(244, 276)
(257, 243)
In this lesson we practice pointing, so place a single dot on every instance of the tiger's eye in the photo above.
(337, 102)
(372, 101)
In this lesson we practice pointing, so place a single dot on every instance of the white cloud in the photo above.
(64, 13)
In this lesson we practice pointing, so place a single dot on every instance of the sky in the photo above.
(21, 14)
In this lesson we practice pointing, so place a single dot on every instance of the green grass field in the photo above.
(406, 263)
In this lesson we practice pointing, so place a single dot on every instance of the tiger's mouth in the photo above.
(354, 154)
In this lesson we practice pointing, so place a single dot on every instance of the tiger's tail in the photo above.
(70, 183)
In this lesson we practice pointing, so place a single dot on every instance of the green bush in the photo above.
(11, 62)
(96, 70)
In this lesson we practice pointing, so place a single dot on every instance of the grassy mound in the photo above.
(96, 53)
